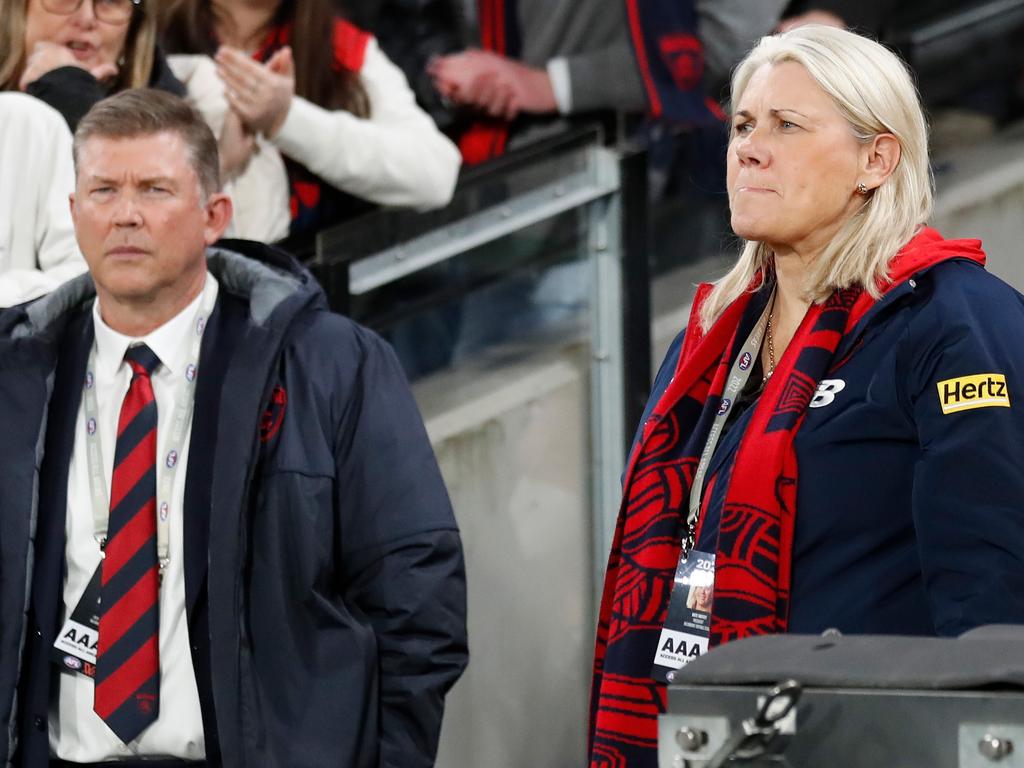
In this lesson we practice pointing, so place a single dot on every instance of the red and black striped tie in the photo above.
(128, 658)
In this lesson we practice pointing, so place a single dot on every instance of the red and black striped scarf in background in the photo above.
(486, 137)
(753, 556)
(669, 57)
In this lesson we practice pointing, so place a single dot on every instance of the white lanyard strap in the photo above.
(738, 375)
(180, 419)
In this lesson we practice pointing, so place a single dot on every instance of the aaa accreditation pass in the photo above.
(688, 624)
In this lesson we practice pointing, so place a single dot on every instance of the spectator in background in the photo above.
(37, 241)
(411, 33)
(73, 53)
(866, 16)
(550, 58)
(322, 92)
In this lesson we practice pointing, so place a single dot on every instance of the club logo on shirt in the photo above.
(982, 390)
(826, 392)
(172, 459)
(273, 417)
(745, 359)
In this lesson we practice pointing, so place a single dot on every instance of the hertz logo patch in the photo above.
(983, 390)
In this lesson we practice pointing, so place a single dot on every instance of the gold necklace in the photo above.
(771, 344)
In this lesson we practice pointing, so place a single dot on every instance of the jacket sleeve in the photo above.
(606, 78)
(728, 30)
(396, 156)
(965, 370)
(402, 557)
(44, 253)
(70, 90)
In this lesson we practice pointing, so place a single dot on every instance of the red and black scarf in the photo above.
(753, 556)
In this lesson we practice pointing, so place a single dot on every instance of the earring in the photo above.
(862, 188)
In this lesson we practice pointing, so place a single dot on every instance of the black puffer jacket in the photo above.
(331, 619)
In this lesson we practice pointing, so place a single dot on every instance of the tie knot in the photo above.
(142, 359)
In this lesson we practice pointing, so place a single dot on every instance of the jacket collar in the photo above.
(907, 271)
(273, 284)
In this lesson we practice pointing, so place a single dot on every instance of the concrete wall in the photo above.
(981, 194)
(513, 450)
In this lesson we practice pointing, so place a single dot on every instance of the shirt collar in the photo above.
(169, 342)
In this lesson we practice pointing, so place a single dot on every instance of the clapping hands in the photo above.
(260, 94)
(492, 83)
(259, 97)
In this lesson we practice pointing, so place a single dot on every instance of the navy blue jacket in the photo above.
(325, 587)
(910, 518)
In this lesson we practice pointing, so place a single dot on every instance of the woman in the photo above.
(844, 405)
(699, 599)
(72, 53)
(324, 94)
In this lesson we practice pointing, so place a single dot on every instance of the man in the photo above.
(37, 243)
(276, 581)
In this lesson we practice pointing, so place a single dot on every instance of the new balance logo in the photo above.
(826, 392)
(983, 390)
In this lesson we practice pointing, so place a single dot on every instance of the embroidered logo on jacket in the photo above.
(982, 390)
(270, 423)
(826, 392)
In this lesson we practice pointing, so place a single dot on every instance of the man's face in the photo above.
(141, 221)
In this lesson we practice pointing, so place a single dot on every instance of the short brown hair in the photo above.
(147, 111)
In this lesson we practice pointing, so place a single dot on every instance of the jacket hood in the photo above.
(925, 250)
(273, 282)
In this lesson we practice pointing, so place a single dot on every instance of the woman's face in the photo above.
(793, 162)
(90, 40)
(703, 595)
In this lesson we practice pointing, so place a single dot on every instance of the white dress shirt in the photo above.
(76, 731)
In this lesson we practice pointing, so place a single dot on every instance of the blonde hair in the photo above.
(873, 90)
(139, 47)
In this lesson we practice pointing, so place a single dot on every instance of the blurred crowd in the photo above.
(327, 109)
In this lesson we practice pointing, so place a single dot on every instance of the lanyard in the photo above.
(738, 376)
(180, 419)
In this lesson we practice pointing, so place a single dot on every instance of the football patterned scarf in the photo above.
(753, 555)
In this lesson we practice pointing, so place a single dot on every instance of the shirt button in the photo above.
(40, 723)
(912, 283)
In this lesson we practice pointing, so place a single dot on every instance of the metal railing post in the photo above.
(604, 248)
